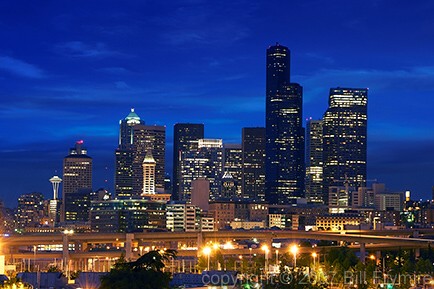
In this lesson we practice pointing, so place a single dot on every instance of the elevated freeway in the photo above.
(80, 248)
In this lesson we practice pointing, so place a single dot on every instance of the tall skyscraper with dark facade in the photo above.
(185, 136)
(345, 139)
(253, 147)
(77, 181)
(124, 156)
(135, 140)
(152, 139)
(314, 162)
(284, 176)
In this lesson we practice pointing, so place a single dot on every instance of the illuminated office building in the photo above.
(314, 163)
(284, 166)
(253, 176)
(233, 166)
(124, 156)
(344, 139)
(203, 162)
(30, 210)
(77, 181)
(149, 138)
(135, 140)
(126, 216)
(185, 137)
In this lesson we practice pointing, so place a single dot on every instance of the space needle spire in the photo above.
(55, 181)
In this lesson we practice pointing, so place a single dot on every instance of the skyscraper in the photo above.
(77, 170)
(284, 167)
(135, 140)
(185, 136)
(345, 139)
(233, 165)
(124, 156)
(314, 162)
(77, 178)
(152, 139)
(253, 147)
(203, 162)
(148, 175)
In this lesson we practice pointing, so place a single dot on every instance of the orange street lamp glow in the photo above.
(294, 251)
(207, 252)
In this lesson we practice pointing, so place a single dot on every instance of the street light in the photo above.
(266, 250)
(240, 257)
(207, 252)
(65, 251)
(34, 257)
(294, 251)
(314, 255)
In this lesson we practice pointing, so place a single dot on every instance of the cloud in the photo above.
(121, 85)
(418, 78)
(318, 57)
(114, 70)
(81, 49)
(201, 23)
(20, 68)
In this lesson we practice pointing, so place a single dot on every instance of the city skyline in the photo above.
(191, 61)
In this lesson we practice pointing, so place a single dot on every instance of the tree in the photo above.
(144, 273)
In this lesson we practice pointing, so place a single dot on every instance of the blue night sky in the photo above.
(71, 70)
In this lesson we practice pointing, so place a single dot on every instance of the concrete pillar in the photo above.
(362, 252)
(199, 243)
(417, 253)
(417, 250)
(65, 251)
(377, 257)
(129, 237)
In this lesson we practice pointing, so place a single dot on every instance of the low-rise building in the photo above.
(337, 222)
(184, 217)
(134, 215)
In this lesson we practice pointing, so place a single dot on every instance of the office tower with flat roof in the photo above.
(345, 139)
(314, 163)
(124, 156)
(30, 210)
(284, 166)
(127, 216)
(253, 176)
(204, 162)
(233, 166)
(185, 136)
(77, 170)
(77, 183)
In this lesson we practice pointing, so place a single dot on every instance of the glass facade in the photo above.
(284, 182)
(185, 138)
(204, 162)
(253, 146)
(345, 139)
(314, 162)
